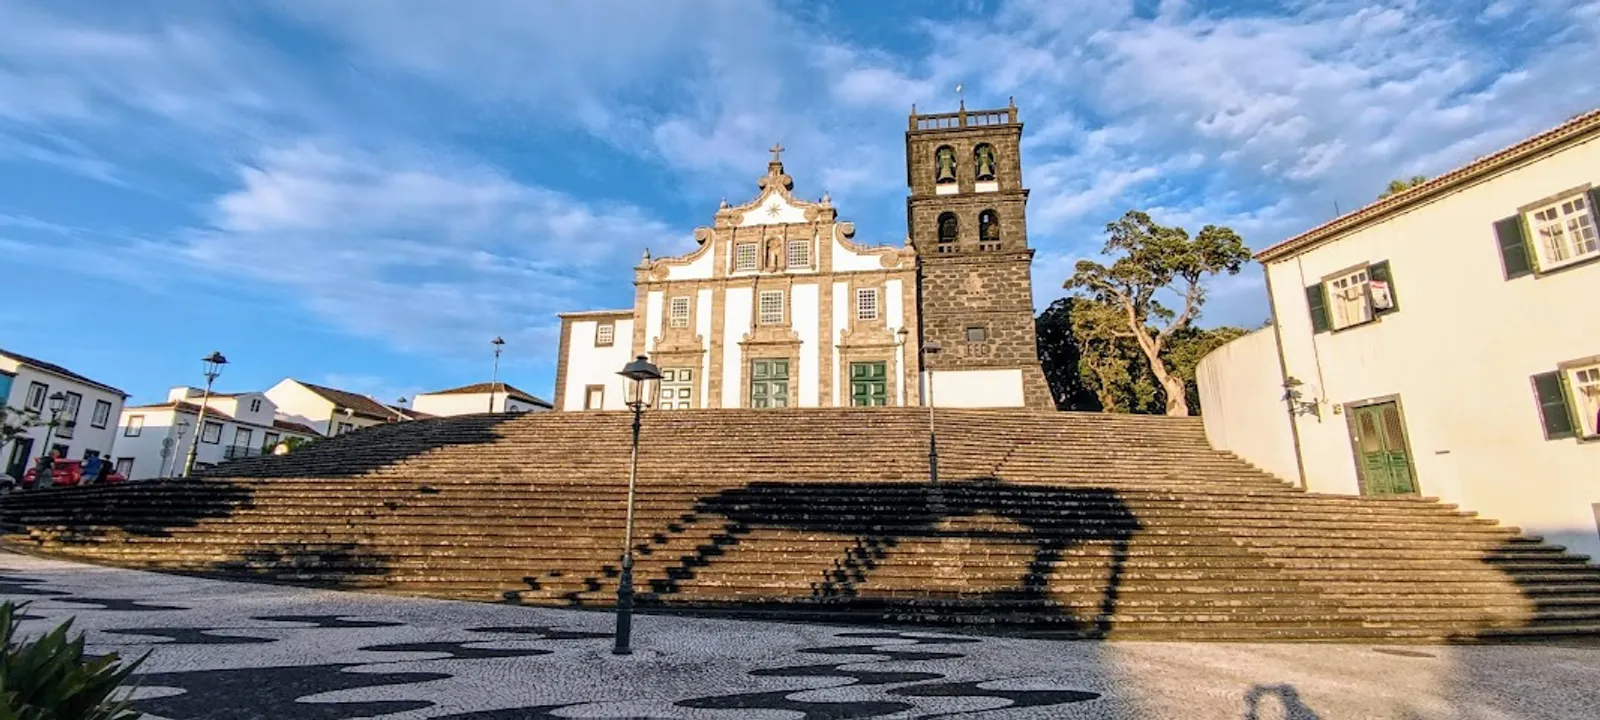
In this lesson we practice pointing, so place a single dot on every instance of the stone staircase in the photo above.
(1061, 524)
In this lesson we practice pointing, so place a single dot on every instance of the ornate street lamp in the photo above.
(213, 368)
(58, 402)
(644, 376)
(494, 376)
(931, 347)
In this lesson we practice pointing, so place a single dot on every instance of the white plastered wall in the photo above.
(590, 365)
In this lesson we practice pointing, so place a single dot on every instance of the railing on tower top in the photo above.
(964, 118)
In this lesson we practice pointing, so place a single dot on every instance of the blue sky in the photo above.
(364, 197)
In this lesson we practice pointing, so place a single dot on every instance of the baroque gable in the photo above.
(775, 232)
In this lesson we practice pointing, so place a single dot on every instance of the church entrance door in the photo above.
(869, 384)
(769, 383)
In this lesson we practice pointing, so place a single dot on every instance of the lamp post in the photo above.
(213, 367)
(931, 347)
(179, 431)
(494, 376)
(58, 402)
(644, 375)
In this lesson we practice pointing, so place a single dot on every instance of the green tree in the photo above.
(15, 423)
(1060, 354)
(1399, 186)
(295, 444)
(1153, 258)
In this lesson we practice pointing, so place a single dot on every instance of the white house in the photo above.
(1438, 342)
(480, 398)
(85, 424)
(327, 410)
(156, 439)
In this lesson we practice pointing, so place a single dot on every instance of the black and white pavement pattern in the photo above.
(235, 651)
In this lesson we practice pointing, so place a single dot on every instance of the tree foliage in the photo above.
(50, 679)
(15, 423)
(1123, 303)
(1090, 369)
(1399, 186)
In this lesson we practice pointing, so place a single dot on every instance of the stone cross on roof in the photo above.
(777, 152)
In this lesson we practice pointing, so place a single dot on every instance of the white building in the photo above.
(1441, 342)
(778, 307)
(155, 439)
(327, 410)
(479, 398)
(85, 427)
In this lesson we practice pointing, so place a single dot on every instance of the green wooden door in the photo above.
(1382, 455)
(869, 384)
(769, 383)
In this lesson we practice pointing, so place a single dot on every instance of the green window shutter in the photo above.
(1594, 205)
(1317, 301)
(1380, 271)
(1513, 247)
(1553, 410)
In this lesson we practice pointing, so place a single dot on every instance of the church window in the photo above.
(988, 230)
(594, 397)
(983, 162)
(680, 312)
(800, 253)
(944, 164)
(949, 229)
(746, 256)
(605, 334)
(867, 304)
(771, 307)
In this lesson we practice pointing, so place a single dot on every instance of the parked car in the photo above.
(67, 473)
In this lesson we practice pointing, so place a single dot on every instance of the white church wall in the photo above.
(803, 317)
(841, 320)
(1241, 391)
(894, 315)
(702, 327)
(590, 365)
(652, 319)
(736, 323)
(701, 268)
(846, 260)
(977, 388)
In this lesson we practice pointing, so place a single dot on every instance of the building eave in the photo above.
(1579, 129)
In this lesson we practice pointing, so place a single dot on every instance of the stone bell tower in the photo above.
(966, 217)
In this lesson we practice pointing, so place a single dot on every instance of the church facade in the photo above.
(778, 306)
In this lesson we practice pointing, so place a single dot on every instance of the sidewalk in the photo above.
(230, 651)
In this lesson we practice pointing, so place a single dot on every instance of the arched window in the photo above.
(988, 230)
(983, 161)
(949, 230)
(944, 164)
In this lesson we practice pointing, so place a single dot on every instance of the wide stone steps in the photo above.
(1068, 525)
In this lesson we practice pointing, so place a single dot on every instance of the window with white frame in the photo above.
(866, 303)
(212, 434)
(771, 307)
(135, 426)
(679, 317)
(102, 414)
(1348, 297)
(255, 405)
(746, 256)
(1585, 383)
(35, 399)
(69, 415)
(799, 253)
(605, 334)
(1564, 232)
(345, 427)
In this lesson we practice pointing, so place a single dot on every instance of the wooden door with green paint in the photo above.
(1382, 453)
(869, 384)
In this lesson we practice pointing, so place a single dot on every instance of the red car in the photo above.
(67, 473)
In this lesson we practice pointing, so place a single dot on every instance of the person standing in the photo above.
(91, 469)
